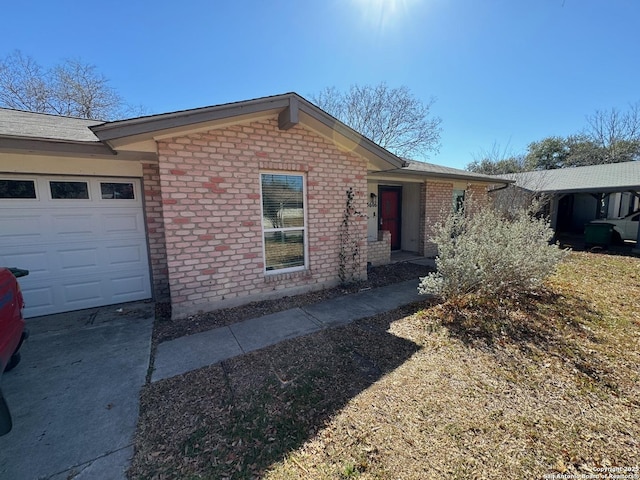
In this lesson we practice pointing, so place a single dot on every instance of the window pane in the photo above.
(69, 190)
(17, 189)
(120, 191)
(282, 201)
(284, 249)
(458, 200)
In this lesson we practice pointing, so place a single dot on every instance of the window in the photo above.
(283, 221)
(17, 189)
(119, 191)
(69, 190)
(458, 200)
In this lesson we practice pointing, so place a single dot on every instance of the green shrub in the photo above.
(491, 253)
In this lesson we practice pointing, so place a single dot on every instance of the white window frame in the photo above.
(22, 179)
(52, 178)
(100, 181)
(286, 229)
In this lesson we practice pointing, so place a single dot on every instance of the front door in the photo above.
(390, 213)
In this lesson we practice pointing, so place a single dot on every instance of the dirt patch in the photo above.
(167, 329)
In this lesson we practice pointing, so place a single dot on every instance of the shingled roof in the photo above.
(414, 167)
(16, 123)
(609, 177)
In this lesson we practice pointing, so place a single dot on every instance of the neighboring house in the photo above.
(210, 207)
(578, 195)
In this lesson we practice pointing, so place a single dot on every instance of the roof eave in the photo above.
(288, 107)
(350, 134)
(48, 146)
(621, 188)
(185, 118)
(470, 178)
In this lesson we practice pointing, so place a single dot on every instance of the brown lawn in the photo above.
(481, 389)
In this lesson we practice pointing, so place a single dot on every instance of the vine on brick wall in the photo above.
(350, 241)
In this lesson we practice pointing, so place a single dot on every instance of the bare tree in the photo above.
(71, 88)
(23, 84)
(391, 117)
(616, 133)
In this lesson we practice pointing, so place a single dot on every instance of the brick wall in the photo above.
(436, 200)
(211, 206)
(155, 231)
(379, 252)
(479, 197)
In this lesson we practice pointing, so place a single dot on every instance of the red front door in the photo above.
(390, 213)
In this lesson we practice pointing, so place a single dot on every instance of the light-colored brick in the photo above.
(223, 167)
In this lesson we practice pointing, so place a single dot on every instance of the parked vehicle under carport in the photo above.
(625, 228)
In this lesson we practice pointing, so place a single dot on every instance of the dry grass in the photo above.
(479, 389)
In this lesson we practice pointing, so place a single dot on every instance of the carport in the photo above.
(580, 194)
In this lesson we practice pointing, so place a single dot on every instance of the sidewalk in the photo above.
(191, 352)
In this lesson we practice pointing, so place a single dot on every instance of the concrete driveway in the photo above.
(74, 397)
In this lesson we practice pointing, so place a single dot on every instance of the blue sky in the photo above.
(505, 72)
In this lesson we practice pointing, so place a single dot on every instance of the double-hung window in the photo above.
(283, 221)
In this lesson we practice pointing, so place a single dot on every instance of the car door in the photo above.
(631, 227)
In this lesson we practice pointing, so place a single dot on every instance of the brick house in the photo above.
(209, 208)
(408, 201)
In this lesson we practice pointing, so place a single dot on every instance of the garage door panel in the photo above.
(42, 297)
(76, 260)
(34, 259)
(123, 223)
(19, 229)
(74, 225)
(37, 297)
(126, 255)
(78, 293)
(80, 253)
(128, 285)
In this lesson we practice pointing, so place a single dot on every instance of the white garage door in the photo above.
(82, 239)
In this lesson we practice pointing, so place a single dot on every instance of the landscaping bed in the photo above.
(167, 329)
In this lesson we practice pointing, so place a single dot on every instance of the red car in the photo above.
(12, 331)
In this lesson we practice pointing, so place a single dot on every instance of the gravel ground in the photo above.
(167, 329)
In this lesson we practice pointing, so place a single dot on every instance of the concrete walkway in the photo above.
(191, 352)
